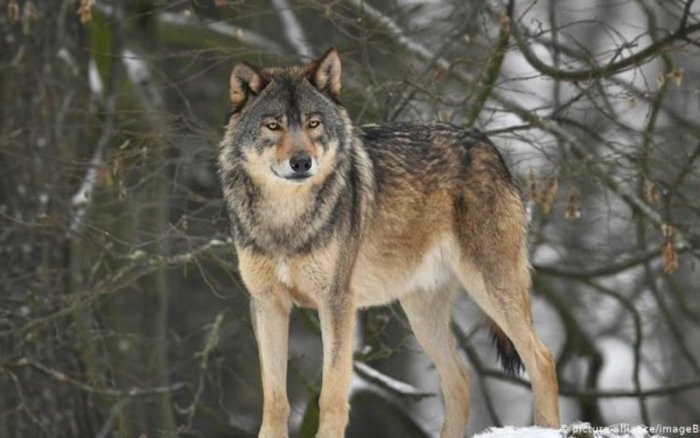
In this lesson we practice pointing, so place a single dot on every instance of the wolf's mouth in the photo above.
(296, 177)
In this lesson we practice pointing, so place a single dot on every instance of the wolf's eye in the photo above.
(314, 124)
(273, 126)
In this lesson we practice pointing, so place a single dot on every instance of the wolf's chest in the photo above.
(308, 278)
(283, 272)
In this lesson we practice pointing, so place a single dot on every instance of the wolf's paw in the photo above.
(331, 434)
(273, 432)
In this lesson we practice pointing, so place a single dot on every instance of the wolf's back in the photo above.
(431, 156)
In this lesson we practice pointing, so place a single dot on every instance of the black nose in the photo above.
(300, 163)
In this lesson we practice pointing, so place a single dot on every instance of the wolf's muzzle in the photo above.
(298, 168)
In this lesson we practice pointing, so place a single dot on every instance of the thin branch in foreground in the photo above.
(373, 376)
(62, 377)
(603, 271)
(570, 391)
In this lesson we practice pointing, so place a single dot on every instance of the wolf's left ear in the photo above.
(324, 73)
(245, 81)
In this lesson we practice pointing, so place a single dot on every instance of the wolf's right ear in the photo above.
(324, 73)
(246, 81)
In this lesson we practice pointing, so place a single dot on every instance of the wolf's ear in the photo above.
(324, 73)
(245, 81)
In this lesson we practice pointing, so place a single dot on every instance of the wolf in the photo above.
(337, 218)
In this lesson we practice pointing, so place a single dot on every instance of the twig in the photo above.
(686, 13)
(454, 35)
(603, 271)
(240, 34)
(229, 30)
(399, 35)
(62, 377)
(491, 72)
(688, 167)
(373, 376)
(114, 412)
(637, 346)
(211, 343)
(569, 391)
(140, 263)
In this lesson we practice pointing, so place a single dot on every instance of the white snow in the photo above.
(519, 432)
(574, 430)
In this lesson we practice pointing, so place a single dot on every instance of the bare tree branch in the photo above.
(237, 33)
(424, 53)
(191, 22)
(373, 376)
(603, 271)
(62, 377)
(632, 61)
(82, 198)
(686, 14)
(293, 29)
(491, 72)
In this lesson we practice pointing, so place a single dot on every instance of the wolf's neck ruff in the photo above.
(281, 219)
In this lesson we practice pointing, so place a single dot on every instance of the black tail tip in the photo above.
(506, 352)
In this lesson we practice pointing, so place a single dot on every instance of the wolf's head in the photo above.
(287, 124)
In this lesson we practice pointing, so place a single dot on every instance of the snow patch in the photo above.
(519, 432)
(574, 430)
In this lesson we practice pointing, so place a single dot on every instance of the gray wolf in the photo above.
(338, 218)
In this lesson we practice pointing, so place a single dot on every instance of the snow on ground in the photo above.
(577, 430)
(519, 432)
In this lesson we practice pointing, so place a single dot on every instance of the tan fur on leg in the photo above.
(507, 303)
(429, 315)
(337, 328)
(270, 315)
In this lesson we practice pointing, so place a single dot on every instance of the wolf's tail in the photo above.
(505, 350)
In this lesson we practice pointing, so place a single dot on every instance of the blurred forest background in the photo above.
(121, 311)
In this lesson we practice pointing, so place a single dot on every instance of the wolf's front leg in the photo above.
(337, 318)
(270, 316)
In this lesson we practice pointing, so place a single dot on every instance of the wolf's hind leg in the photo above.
(503, 294)
(429, 313)
(270, 316)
